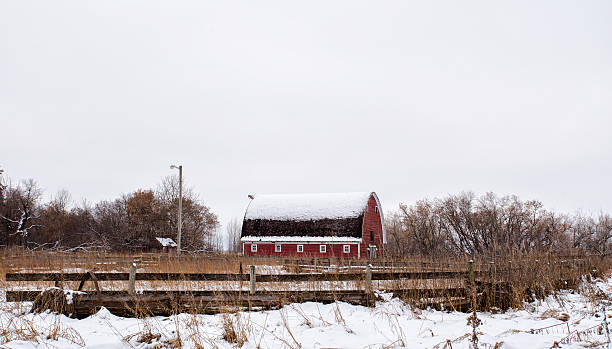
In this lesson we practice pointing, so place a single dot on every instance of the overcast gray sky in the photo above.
(408, 99)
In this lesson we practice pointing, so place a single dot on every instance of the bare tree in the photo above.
(490, 224)
(215, 240)
(602, 235)
(233, 229)
(2, 186)
(20, 211)
(199, 223)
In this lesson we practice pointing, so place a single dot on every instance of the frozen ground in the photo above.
(390, 324)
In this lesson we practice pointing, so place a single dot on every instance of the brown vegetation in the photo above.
(491, 225)
(130, 222)
(442, 282)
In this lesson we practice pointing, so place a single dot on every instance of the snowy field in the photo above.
(574, 320)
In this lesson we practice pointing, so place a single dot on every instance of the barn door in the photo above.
(372, 251)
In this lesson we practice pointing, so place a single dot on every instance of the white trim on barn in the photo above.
(305, 239)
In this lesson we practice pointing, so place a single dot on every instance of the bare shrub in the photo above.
(234, 330)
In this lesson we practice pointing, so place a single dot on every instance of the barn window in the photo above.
(277, 247)
(376, 209)
(253, 247)
(300, 248)
(322, 248)
(347, 248)
(371, 236)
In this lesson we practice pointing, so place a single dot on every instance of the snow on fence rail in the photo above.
(157, 301)
(59, 277)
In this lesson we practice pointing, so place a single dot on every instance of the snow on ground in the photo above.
(268, 269)
(390, 324)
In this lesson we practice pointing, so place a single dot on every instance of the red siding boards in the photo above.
(371, 239)
(335, 250)
(372, 225)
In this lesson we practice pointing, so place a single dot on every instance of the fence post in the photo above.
(132, 279)
(472, 284)
(252, 278)
(491, 285)
(475, 322)
(368, 278)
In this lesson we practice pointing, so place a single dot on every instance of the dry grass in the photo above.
(234, 329)
(19, 260)
(503, 281)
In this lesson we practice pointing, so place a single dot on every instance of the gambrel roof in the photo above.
(306, 217)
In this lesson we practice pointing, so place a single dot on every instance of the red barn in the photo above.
(340, 225)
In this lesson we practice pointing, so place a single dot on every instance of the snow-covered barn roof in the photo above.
(166, 242)
(306, 207)
(288, 217)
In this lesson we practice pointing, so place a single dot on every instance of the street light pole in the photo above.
(180, 207)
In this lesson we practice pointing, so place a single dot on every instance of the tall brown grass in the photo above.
(502, 281)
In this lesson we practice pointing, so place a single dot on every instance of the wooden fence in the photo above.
(130, 302)
(449, 289)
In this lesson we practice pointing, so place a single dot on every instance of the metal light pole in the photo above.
(180, 207)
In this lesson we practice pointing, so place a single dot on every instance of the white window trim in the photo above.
(253, 247)
(300, 248)
(322, 248)
(346, 249)
(277, 248)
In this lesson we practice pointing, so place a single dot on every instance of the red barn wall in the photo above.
(372, 222)
(310, 250)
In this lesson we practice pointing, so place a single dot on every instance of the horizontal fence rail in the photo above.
(240, 277)
(448, 285)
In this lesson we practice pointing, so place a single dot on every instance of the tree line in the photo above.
(489, 224)
(456, 224)
(130, 222)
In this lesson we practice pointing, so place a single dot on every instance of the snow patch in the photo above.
(166, 242)
(305, 207)
(391, 324)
